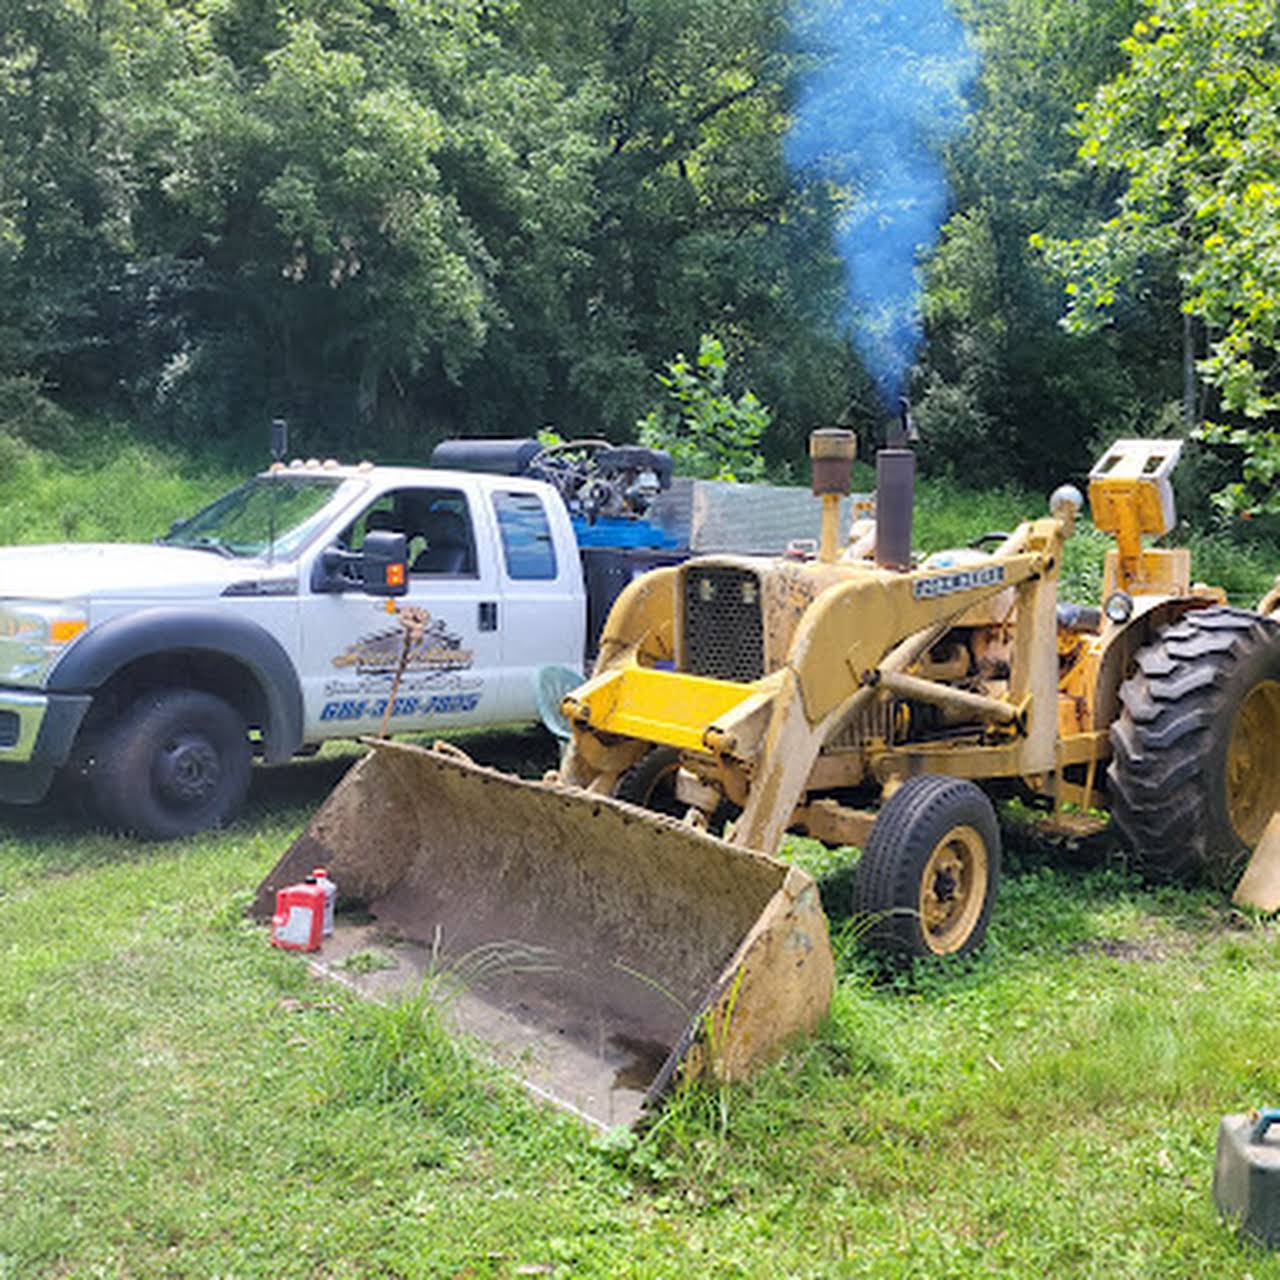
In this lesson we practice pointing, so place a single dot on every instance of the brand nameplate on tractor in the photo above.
(945, 584)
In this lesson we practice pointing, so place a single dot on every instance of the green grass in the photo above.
(948, 516)
(101, 484)
(179, 1099)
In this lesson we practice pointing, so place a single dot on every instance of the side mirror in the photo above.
(381, 569)
(384, 563)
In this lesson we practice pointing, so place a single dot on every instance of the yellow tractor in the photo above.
(862, 700)
(843, 691)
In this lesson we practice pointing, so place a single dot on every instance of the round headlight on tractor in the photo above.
(1118, 606)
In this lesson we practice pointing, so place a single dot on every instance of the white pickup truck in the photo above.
(155, 672)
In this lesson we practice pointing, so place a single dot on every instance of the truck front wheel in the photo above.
(176, 762)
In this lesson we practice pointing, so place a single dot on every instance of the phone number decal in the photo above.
(439, 704)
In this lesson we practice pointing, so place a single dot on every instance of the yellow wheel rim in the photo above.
(1253, 762)
(953, 889)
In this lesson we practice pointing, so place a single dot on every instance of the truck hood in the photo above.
(136, 571)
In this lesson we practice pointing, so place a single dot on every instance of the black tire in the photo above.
(650, 783)
(927, 880)
(176, 762)
(1180, 789)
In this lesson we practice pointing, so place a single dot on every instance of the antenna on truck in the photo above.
(279, 447)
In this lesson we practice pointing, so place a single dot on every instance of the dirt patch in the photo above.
(1150, 950)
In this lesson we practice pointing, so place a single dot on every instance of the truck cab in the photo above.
(153, 672)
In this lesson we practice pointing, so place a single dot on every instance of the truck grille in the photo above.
(10, 727)
(723, 623)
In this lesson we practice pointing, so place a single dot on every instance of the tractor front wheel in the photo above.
(650, 783)
(1195, 770)
(927, 879)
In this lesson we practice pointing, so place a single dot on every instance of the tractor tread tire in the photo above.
(886, 883)
(636, 784)
(1166, 779)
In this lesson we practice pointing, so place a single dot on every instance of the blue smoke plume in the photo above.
(884, 93)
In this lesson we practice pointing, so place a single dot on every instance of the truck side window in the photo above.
(435, 522)
(527, 546)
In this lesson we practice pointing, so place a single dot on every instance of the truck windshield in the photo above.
(282, 512)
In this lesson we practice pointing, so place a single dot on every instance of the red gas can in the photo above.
(298, 923)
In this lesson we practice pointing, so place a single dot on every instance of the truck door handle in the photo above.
(488, 618)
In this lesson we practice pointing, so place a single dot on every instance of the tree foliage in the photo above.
(1189, 131)
(395, 219)
(1001, 389)
(402, 217)
(706, 430)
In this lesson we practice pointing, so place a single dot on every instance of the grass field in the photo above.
(178, 1099)
(100, 484)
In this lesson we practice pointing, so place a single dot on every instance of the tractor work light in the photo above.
(1118, 606)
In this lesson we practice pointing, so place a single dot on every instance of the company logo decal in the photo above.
(432, 647)
(433, 682)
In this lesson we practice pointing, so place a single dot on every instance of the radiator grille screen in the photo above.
(723, 625)
(9, 728)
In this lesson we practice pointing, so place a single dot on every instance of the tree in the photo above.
(355, 184)
(1001, 389)
(61, 224)
(706, 430)
(391, 220)
(1188, 133)
(698, 223)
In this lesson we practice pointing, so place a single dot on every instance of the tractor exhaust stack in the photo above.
(896, 493)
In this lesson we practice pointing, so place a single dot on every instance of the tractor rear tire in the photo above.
(1195, 769)
(927, 880)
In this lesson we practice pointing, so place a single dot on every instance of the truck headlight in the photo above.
(33, 634)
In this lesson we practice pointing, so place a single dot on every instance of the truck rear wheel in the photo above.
(176, 762)
(927, 879)
(1195, 770)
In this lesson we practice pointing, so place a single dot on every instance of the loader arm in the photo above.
(830, 679)
(776, 726)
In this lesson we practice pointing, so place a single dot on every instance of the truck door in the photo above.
(352, 644)
(543, 605)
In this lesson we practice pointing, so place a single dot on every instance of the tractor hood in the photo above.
(116, 570)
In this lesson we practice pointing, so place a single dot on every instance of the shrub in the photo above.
(708, 433)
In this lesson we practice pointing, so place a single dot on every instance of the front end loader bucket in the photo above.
(594, 946)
